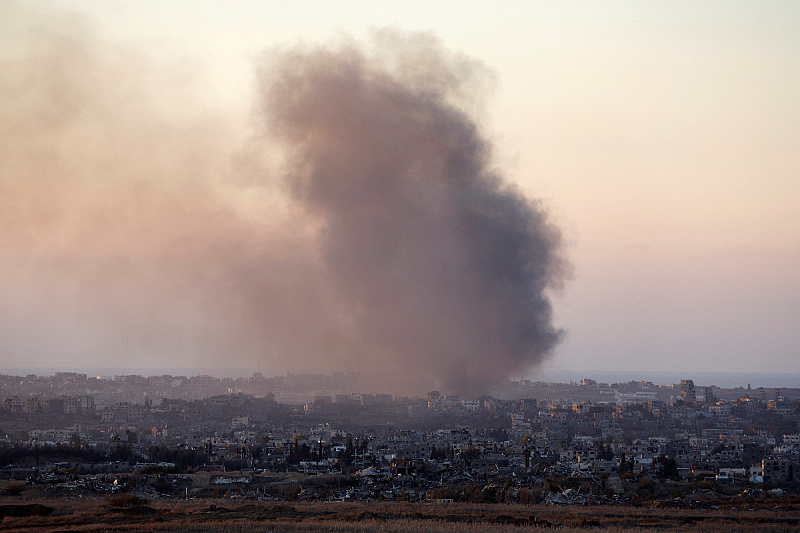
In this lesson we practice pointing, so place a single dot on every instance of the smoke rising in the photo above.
(443, 267)
(138, 228)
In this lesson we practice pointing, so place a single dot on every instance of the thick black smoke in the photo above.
(442, 267)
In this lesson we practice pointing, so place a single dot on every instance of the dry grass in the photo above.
(369, 526)
(217, 516)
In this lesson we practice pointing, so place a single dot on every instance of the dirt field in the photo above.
(224, 516)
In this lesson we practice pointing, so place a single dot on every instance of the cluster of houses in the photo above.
(387, 445)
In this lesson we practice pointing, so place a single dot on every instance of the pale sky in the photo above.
(664, 137)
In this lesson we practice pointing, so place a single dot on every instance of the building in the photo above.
(776, 470)
(688, 393)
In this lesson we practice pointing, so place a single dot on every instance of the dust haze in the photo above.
(359, 225)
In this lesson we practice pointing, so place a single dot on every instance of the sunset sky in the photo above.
(662, 137)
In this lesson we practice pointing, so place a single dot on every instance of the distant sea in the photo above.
(728, 380)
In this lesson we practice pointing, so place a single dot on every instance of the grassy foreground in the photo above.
(226, 516)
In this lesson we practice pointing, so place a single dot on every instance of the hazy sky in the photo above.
(663, 137)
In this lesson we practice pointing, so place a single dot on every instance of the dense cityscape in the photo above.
(313, 438)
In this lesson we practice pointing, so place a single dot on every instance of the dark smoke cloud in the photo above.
(138, 228)
(443, 267)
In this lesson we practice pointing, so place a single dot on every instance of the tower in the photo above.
(688, 394)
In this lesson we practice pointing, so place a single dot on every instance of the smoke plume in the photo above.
(138, 228)
(443, 267)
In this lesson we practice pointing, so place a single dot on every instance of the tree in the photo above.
(666, 467)
(489, 495)
(469, 454)
(346, 457)
(299, 453)
(645, 488)
(623, 466)
(256, 452)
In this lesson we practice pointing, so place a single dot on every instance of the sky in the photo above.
(662, 138)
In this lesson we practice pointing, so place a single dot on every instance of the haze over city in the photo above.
(470, 193)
